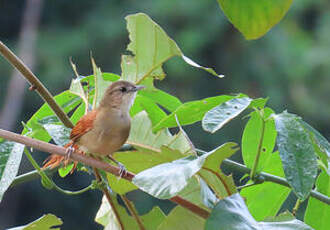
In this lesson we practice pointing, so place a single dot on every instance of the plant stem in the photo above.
(133, 212)
(35, 83)
(296, 207)
(256, 160)
(109, 198)
(51, 183)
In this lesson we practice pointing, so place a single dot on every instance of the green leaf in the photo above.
(221, 184)
(46, 222)
(64, 171)
(59, 133)
(254, 18)
(167, 180)
(266, 199)
(193, 192)
(162, 98)
(182, 219)
(253, 134)
(106, 217)
(100, 84)
(193, 111)
(66, 100)
(209, 199)
(322, 146)
(150, 52)
(297, 154)
(318, 213)
(144, 103)
(141, 136)
(217, 117)
(232, 213)
(77, 89)
(10, 159)
(78, 113)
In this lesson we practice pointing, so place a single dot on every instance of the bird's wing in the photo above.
(84, 125)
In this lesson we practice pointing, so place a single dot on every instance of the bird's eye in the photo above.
(123, 89)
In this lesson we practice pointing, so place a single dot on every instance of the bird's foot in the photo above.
(68, 152)
(122, 170)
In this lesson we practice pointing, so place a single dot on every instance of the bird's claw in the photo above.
(68, 152)
(122, 170)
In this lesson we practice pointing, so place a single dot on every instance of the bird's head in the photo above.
(120, 95)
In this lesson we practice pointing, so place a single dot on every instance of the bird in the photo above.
(103, 130)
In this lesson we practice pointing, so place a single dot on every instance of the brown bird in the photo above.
(103, 130)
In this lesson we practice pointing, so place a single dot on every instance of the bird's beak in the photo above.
(138, 87)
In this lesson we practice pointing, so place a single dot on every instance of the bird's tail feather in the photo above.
(55, 160)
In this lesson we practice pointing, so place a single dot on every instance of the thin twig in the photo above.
(133, 212)
(59, 150)
(34, 81)
(192, 146)
(109, 198)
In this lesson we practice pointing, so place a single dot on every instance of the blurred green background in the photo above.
(290, 65)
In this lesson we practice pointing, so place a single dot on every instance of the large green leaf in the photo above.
(266, 199)
(232, 213)
(193, 111)
(297, 153)
(106, 217)
(46, 222)
(167, 180)
(182, 219)
(10, 159)
(217, 117)
(318, 213)
(254, 18)
(258, 138)
(151, 47)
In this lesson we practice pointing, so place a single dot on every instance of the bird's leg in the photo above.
(122, 171)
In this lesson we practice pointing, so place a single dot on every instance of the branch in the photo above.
(271, 178)
(35, 83)
(50, 148)
(133, 212)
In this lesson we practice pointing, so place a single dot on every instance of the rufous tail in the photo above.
(55, 160)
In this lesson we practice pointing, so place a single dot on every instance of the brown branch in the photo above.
(34, 81)
(50, 148)
(109, 198)
(133, 212)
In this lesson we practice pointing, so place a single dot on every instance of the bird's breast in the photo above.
(108, 134)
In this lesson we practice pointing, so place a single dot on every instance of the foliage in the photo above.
(167, 164)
